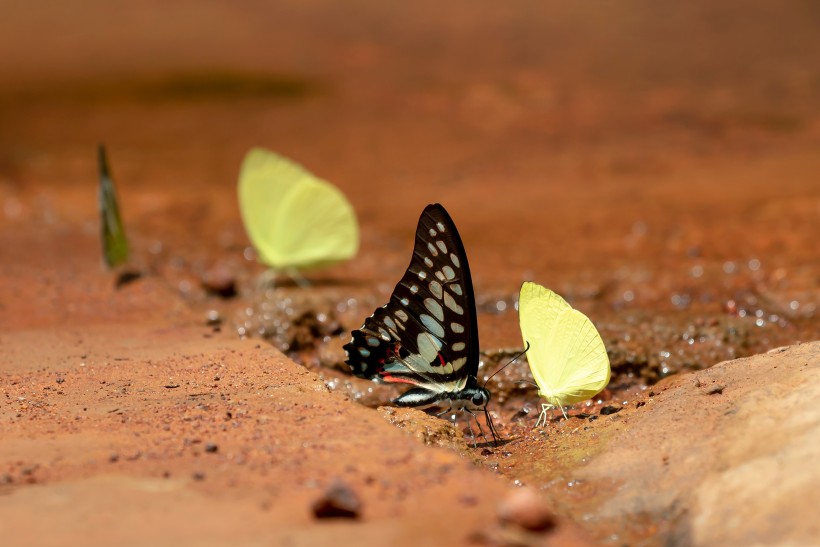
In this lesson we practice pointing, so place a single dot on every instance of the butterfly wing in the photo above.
(114, 242)
(427, 334)
(567, 356)
(294, 219)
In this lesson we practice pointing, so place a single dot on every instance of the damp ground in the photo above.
(670, 193)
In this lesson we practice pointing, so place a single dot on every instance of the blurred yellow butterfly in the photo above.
(566, 354)
(295, 220)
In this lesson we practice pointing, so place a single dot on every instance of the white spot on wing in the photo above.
(434, 308)
(428, 261)
(435, 288)
(433, 232)
(450, 302)
(442, 246)
(449, 272)
(373, 341)
(432, 325)
(440, 275)
(459, 346)
(414, 289)
(363, 352)
(455, 260)
(428, 346)
(402, 315)
(432, 249)
(455, 287)
(440, 226)
(422, 275)
(405, 302)
(390, 323)
(457, 328)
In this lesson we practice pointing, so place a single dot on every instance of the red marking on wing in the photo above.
(393, 352)
(395, 380)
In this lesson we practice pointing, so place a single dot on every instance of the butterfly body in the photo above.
(567, 357)
(427, 334)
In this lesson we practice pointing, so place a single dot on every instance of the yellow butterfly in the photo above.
(566, 354)
(294, 219)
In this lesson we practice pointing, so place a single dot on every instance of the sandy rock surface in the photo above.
(655, 163)
(113, 447)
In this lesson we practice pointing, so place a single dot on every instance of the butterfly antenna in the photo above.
(513, 360)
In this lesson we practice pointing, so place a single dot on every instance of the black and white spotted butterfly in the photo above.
(427, 334)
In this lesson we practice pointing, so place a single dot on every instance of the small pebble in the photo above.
(220, 281)
(213, 319)
(211, 448)
(338, 500)
(526, 509)
(607, 410)
(715, 389)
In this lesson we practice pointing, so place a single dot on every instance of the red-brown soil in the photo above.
(654, 163)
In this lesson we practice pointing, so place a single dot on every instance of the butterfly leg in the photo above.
(542, 418)
(454, 420)
(266, 280)
(298, 278)
(480, 429)
(564, 412)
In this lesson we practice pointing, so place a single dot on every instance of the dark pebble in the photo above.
(211, 448)
(607, 410)
(526, 509)
(219, 281)
(213, 319)
(126, 277)
(468, 499)
(199, 476)
(716, 389)
(337, 501)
